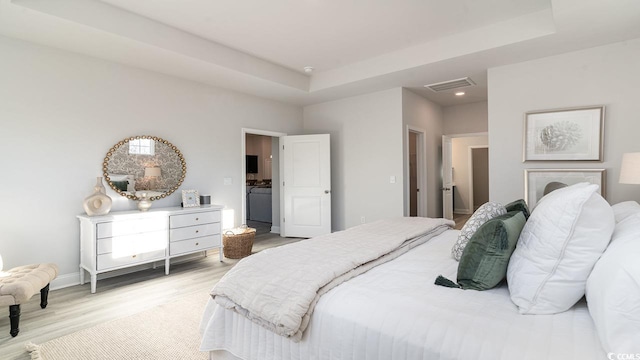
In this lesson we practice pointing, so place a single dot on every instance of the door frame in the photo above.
(470, 165)
(243, 177)
(421, 170)
(452, 136)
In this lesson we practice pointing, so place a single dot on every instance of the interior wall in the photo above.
(424, 114)
(463, 204)
(466, 118)
(61, 112)
(606, 75)
(366, 151)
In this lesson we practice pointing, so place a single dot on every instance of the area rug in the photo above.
(168, 331)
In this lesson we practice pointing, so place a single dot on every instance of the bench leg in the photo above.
(14, 317)
(44, 295)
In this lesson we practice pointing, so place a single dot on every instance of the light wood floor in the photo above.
(75, 308)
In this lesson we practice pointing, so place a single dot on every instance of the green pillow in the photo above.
(519, 205)
(121, 185)
(485, 258)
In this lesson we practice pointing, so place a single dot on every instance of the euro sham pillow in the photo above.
(485, 258)
(613, 290)
(625, 209)
(484, 213)
(557, 249)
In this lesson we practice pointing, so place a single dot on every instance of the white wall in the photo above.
(463, 204)
(426, 115)
(465, 119)
(366, 149)
(607, 75)
(61, 112)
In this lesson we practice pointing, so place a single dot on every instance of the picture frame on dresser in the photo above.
(190, 198)
(535, 181)
(564, 134)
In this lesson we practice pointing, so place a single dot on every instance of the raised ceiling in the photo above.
(356, 46)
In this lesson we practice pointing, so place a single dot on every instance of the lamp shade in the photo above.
(152, 172)
(630, 169)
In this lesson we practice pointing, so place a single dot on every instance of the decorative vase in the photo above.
(144, 203)
(97, 203)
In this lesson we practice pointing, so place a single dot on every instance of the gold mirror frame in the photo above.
(105, 166)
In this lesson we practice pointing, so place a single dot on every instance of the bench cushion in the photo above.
(21, 283)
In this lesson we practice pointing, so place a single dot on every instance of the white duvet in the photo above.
(395, 311)
(279, 287)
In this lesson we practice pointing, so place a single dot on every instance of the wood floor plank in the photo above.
(75, 308)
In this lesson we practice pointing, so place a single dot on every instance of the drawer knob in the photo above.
(197, 244)
(134, 256)
(197, 219)
(197, 231)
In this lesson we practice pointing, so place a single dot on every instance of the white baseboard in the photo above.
(275, 229)
(73, 279)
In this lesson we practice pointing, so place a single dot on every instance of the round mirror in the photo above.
(144, 164)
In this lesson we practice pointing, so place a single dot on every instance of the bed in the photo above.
(395, 311)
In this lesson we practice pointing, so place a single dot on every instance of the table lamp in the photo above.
(154, 174)
(630, 168)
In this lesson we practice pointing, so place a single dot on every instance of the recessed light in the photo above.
(308, 69)
(460, 93)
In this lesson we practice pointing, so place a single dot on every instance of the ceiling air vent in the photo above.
(451, 84)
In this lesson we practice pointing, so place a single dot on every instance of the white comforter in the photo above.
(278, 288)
(395, 311)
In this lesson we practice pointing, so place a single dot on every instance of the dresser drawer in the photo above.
(127, 227)
(133, 244)
(193, 245)
(177, 221)
(108, 261)
(194, 231)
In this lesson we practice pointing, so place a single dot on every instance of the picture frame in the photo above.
(190, 198)
(537, 179)
(564, 134)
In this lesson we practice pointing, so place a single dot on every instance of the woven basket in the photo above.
(237, 245)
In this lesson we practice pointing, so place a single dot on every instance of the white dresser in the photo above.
(123, 239)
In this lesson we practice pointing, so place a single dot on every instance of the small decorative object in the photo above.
(190, 198)
(144, 203)
(238, 243)
(97, 203)
(205, 199)
(536, 180)
(565, 134)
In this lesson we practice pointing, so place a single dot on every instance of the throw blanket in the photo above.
(279, 287)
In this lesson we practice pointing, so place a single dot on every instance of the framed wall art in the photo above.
(190, 198)
(564, 134)
(536, 180)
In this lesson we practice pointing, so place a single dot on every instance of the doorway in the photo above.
(415, 199)
(466, 180)
(260, 180)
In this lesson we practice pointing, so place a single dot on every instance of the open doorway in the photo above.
(415, 199)
(261, 190)
(467, 179)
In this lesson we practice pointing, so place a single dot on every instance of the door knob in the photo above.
(327, 191)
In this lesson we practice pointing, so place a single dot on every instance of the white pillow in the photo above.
(558, 246)
(613, 290)
(625, 209)
(484, 213)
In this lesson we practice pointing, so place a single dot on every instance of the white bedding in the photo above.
(395, 311)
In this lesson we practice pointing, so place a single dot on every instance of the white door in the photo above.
(447, 178)
(306, 185)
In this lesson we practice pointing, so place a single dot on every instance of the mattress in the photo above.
(395, 311)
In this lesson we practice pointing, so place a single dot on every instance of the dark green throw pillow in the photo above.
(485, 258)
(519, 205)
(121, 185)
